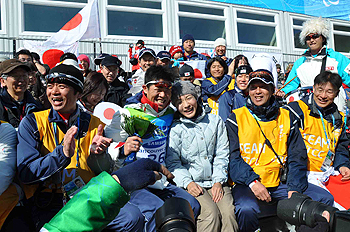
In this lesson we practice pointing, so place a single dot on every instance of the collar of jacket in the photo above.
(267, 112)
(322, 52)
(55, 117)
(9, 102)
(327, 112)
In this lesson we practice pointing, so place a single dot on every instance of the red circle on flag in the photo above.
(73, 23)
(52, 56)
(108, 114)
(291, 99)
(197, 74)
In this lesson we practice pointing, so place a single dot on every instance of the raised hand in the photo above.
(99, 143)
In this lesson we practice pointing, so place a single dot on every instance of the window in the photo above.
(51, 16)
(256, 29)
(135, 18)
(46, 18)
(297, 27)
(204, 23)
(341, 37)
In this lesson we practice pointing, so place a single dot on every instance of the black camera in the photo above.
(175, 215)
(301, 210)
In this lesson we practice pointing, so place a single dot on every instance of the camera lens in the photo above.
(175, 215)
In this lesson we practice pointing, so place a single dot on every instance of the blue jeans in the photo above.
(247, 208)
(129, 218)
(149, 200)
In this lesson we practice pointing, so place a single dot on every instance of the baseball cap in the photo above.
(110, 60)
(163, 55)
(147, 50)
(186, 71)
(243, 69)
(100, 57)
(261, 75)
(9, 65)
(140, 41)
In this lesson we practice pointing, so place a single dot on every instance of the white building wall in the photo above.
(13, 17)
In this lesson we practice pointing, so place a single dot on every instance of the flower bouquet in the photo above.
(137, 126)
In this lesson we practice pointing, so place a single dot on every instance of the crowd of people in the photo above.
(225, 140)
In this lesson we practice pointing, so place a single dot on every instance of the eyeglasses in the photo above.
(160, 84)
(314, 36)
(329, 92)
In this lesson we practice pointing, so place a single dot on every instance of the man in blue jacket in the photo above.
(316, 59)
(58, 146)
(188, 44)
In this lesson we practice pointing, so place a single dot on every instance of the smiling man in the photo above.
(263, 141)
(316, 59)
(15, 100)
(62, 144)
(323, 130)
(152, 104)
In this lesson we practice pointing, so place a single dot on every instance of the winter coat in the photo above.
(198, 150)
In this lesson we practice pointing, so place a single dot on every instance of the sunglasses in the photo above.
(260, 74)
(160, 84)
(314, 36)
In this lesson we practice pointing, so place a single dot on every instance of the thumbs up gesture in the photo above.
(99, 143)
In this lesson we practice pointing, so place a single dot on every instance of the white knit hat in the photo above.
(315, 25)
(220, 41)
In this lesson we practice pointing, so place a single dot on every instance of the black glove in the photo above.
(133, 61)
(321, 225)
(138, 174)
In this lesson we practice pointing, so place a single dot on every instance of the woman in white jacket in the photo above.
(198, 156)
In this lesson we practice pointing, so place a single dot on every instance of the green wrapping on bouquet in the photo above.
(96, 205)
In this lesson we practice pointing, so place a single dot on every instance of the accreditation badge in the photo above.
(74, 186)
(327, 161)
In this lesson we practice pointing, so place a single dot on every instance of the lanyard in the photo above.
(56, 138)
(325, 131)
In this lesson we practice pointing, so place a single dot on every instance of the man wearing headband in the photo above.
(316, 59)
(153, 104)
(264, 142)
(59, 145)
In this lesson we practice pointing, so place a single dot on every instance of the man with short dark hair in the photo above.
(15, 100)
(118, 91)
(152, 104)
(323, 130)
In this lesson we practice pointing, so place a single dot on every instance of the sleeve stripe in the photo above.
(231, 121)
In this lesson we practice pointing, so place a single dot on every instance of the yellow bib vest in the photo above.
(47, 138)
(213, 101)
(315, 139)
(253, 149)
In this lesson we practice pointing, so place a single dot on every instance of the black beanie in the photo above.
(67, 74)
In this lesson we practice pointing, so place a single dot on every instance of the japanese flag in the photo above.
(50, 55)
(84, 25)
